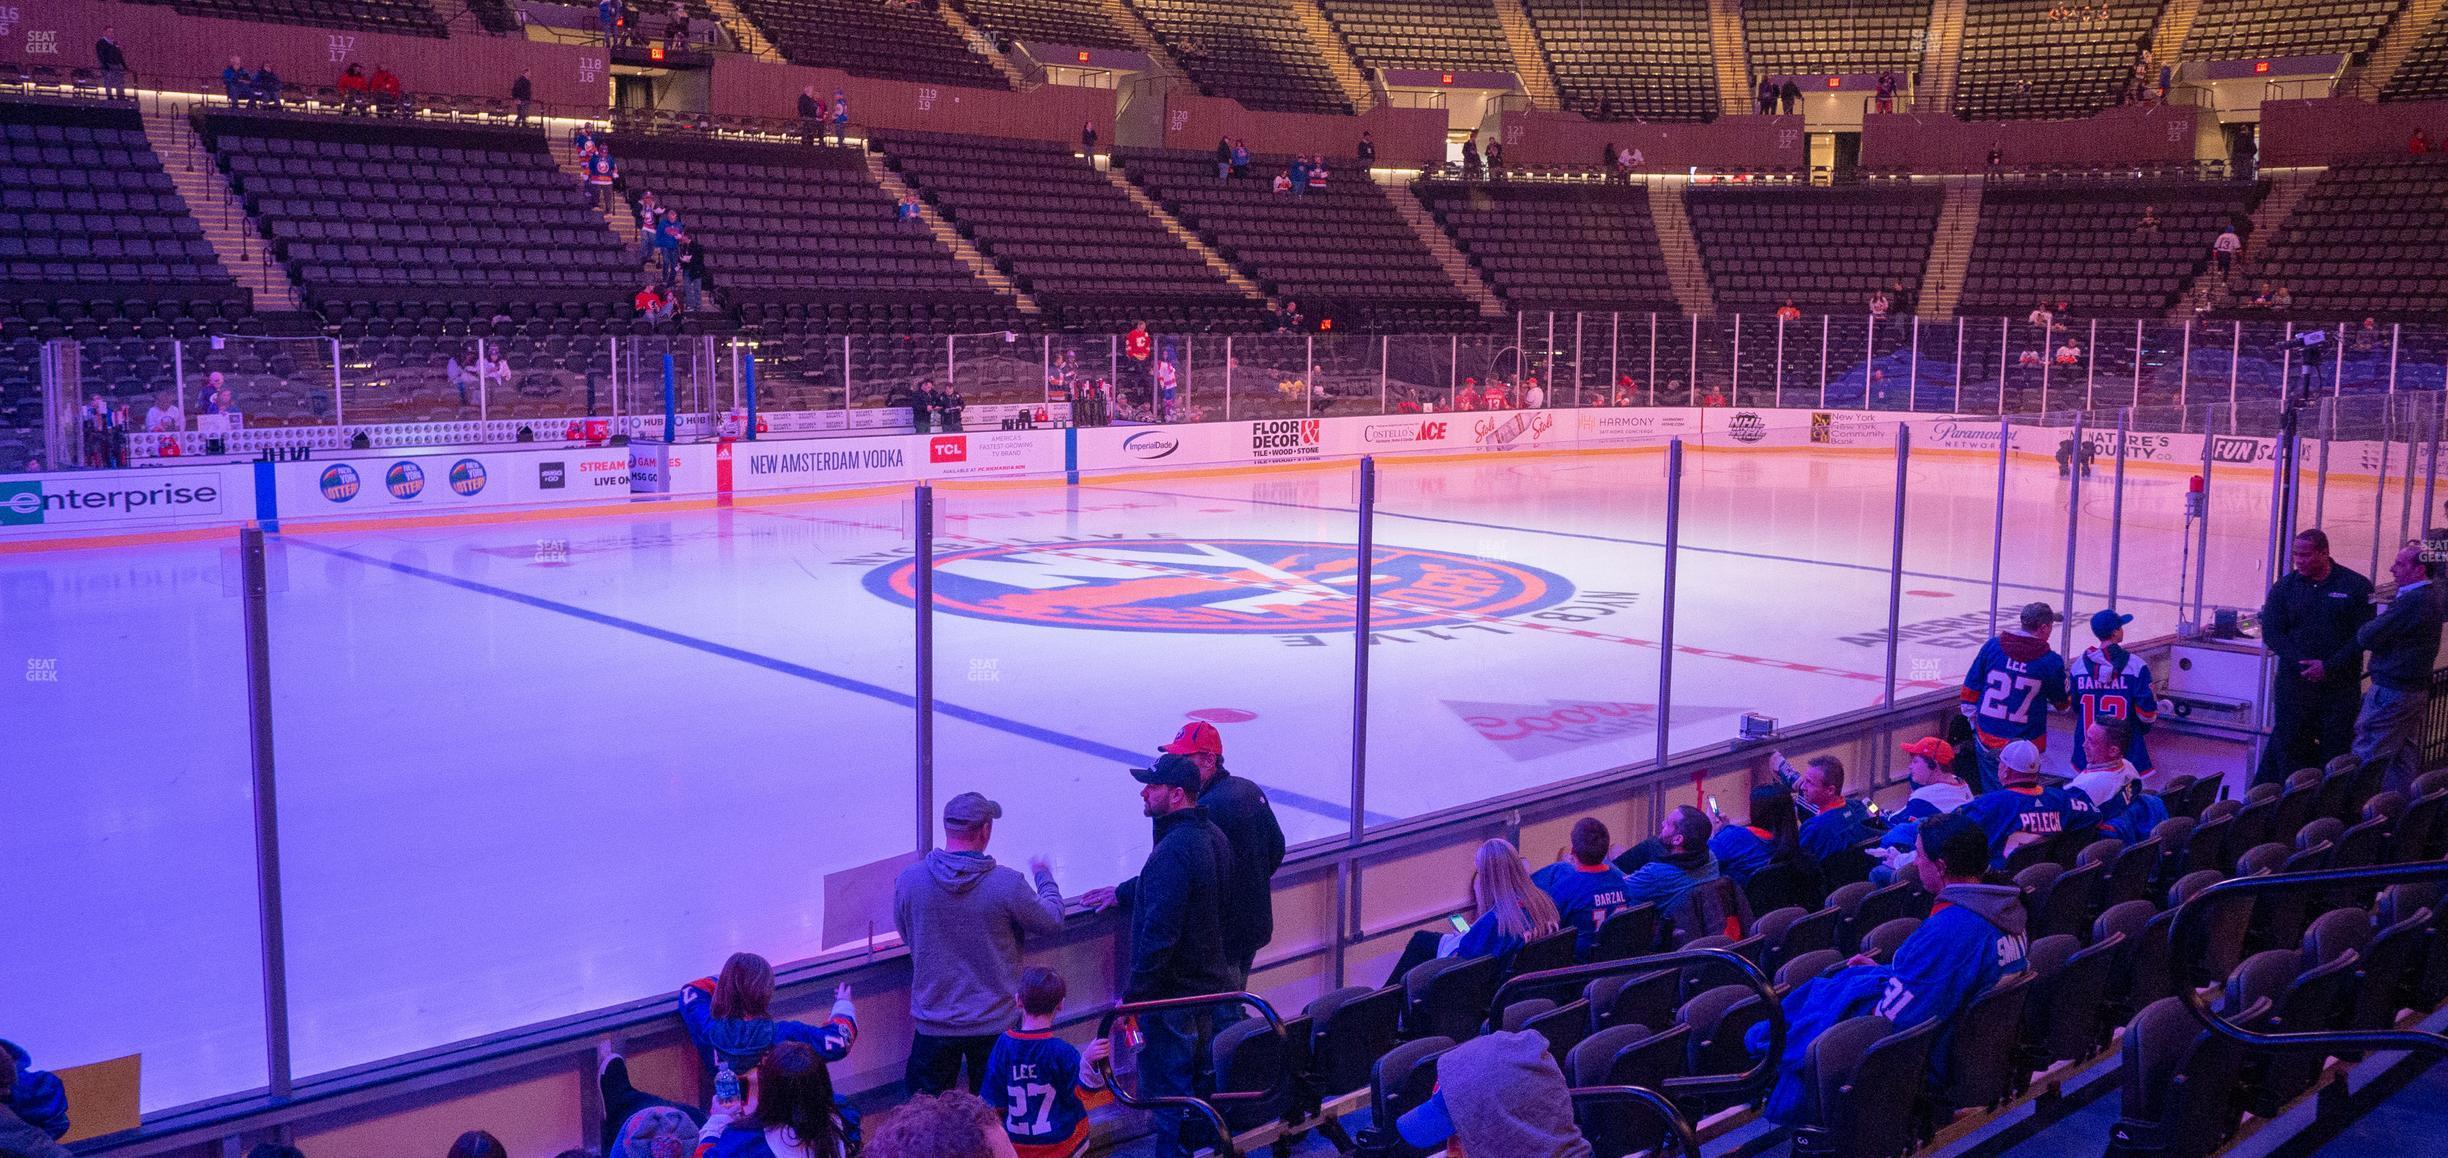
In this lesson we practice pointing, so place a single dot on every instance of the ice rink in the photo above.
(533, 768)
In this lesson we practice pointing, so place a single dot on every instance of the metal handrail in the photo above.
(1749, 973)
(1657, 1103)
(1279, 1086)
(2190, 917)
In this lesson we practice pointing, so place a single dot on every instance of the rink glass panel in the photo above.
(1078, 628)
(1544, 665)
(568, 763)
(128, 785)
(1759, 526)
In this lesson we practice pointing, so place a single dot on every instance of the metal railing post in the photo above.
(1666, 606)
(2116, 506)
(1363, 595)
(922, 591)
(271, 930)
(1997, 524)
(2074, 464)
(1895, 559)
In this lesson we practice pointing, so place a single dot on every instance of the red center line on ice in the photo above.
(1247, 579)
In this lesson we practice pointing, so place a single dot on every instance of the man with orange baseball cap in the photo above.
(1240, 808)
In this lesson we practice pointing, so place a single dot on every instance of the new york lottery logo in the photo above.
(339, 482)
(405, 480)
(1220, 586)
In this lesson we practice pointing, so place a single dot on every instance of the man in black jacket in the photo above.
(1176, 907)
(2309, 622)
(1240, 808)
(2404, 643)
(811, 116)
(112, 62)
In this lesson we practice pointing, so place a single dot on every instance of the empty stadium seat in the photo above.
(1067, 236)
(2081, 243)
(2030, 60)
(1341, 251)
(461, 221)
(872, 38)
(1621, 59)
(1553, 246)
(1423, 34)
(88, 215)
(1254, 51)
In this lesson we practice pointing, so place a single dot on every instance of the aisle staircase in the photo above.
(1127, 21)
(961, 248)
(217, 209)
(2371, 77)
(1529, 60)
(1941, 58)
(983, 45)
(1735, 93)
(2175, 24)
(2287, 190)
(616, 211)
(1950, 248)
(744, 31)
(1188, 237)
(1458, 268)
(1339, 59)
(1683, 269)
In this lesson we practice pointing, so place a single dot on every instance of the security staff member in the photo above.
(2309, 622)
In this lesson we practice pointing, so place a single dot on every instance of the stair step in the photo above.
(216, 209)
(961, 247)
(1457, 266)
(1529, 57)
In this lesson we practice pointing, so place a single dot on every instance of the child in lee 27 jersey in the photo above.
(1034, 1078)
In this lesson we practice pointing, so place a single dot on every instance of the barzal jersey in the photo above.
(1585, 896)
(2118, 694)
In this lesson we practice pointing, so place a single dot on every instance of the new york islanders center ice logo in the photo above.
(1229, 586)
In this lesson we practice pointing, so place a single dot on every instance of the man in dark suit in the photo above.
(2309, 622)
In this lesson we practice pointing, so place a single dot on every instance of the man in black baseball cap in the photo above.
(1176, 914)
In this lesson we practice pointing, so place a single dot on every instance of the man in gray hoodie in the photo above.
(964, 920)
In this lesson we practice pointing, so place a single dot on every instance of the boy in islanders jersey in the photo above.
(2013, 682)
(1034, 1078)
(1586, 889)
(2113, 686)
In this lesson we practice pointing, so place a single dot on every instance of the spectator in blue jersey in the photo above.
(1500, 1094)
(34, 1112)
(1772, 835)
(2404, 643)
(2023, 810)
(1585, 888)
(730, 1020)
(2013, 682)
(2113, 686)
(1683, 861)
(1973, 937)
(1507, 911)
(786, 1110)
(1836, 823)
(1034, 1079)
(965, 920)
